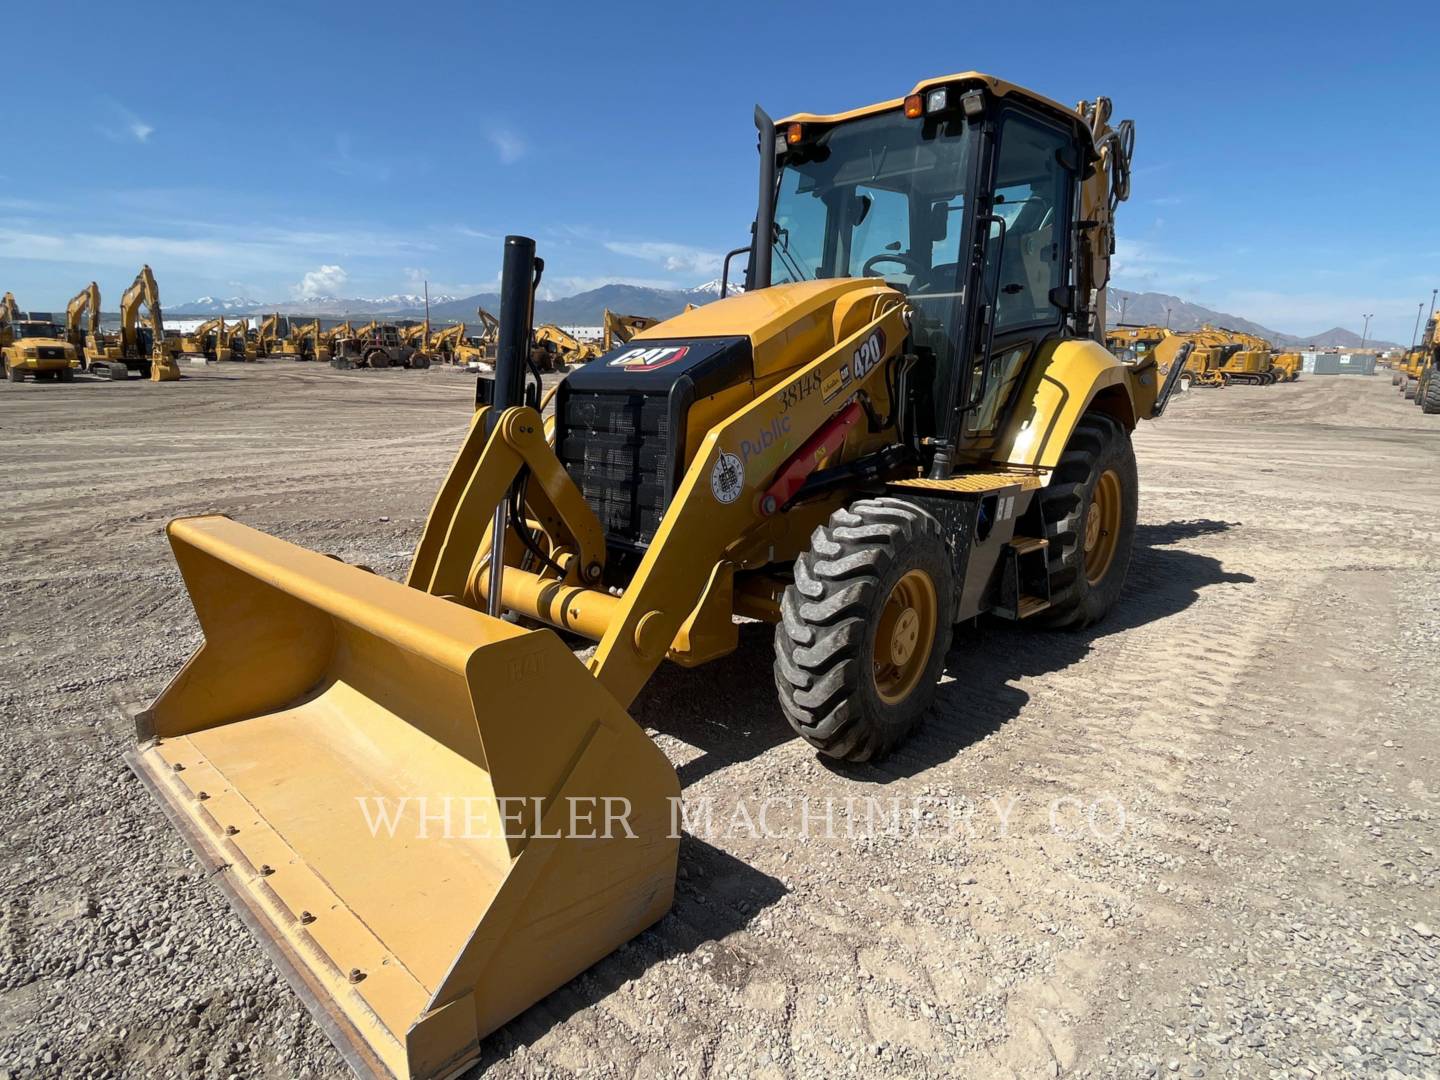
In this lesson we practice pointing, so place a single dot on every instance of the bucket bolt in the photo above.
(306, 918)
(356, 975)
(231, 830)
(266, 869)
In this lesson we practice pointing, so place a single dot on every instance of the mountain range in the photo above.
(588, 309)
(1161, 309)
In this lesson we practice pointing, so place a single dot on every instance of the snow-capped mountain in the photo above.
(399, 304)
(213, 305)
(711, 289)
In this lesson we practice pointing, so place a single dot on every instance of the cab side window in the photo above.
(1033, 196)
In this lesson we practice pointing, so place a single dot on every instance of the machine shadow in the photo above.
(987, 657)
(715, 896)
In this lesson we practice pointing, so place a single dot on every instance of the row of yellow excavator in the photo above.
(38, 345)
(1214, 356)
(1414, 371)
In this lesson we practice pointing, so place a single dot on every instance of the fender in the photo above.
(1066, 380)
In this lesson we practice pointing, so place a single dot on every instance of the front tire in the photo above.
(865, 628)
(1088, 511)
(1411, 385)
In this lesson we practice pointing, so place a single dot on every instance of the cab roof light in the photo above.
(936, 100)
(794, 133)
(973, 102)
(914, 106)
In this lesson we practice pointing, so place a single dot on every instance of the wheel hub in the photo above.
(905, 635)
(1102, 526)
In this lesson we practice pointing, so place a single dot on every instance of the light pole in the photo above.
(1365, 334)
(1419, 310)
(1167, 316)
(1123, 301)
(1432, 303)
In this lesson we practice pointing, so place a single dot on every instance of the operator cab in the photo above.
(955, 192)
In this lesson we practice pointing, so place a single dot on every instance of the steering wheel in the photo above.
(909, 262)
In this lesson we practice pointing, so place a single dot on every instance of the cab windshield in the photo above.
(883, 196)
(32, 329)
(879, 196)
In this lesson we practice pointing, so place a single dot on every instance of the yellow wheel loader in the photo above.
(429, 808)
(1287, 366)
(146, 348)
(1417, 359)
(33, 344)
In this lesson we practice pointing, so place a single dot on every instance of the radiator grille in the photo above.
(52, 352)
(618, 449)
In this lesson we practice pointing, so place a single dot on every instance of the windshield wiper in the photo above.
(783, 251)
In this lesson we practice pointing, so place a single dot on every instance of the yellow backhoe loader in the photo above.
(618, 329)
(135, 347)
(34, 344)
(555, 348)
(434, 815)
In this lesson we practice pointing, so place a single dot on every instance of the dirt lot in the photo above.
(1199, 839)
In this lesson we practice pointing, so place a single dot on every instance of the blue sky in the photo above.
(1287, 160)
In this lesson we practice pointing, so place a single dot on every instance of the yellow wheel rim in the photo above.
(1102, 526)
(905, 636)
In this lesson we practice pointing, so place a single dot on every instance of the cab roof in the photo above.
(998, 87)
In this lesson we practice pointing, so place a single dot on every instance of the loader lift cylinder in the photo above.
(519, 274)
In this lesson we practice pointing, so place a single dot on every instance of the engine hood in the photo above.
(787, 325)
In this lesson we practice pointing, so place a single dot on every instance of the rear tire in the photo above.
(1411, 386)
(1430, 400)
(377, 359)
(14, 374)
(67, 375)
(1088, 512)
(865, 628)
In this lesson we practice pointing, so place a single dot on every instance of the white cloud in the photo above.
(324, 281)
(676, 258)
(1145, 268)
(122, 125)
(509, 146)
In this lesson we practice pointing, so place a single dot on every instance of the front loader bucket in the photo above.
(430, 817)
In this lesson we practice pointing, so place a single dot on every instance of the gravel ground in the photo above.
(1196, 840)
